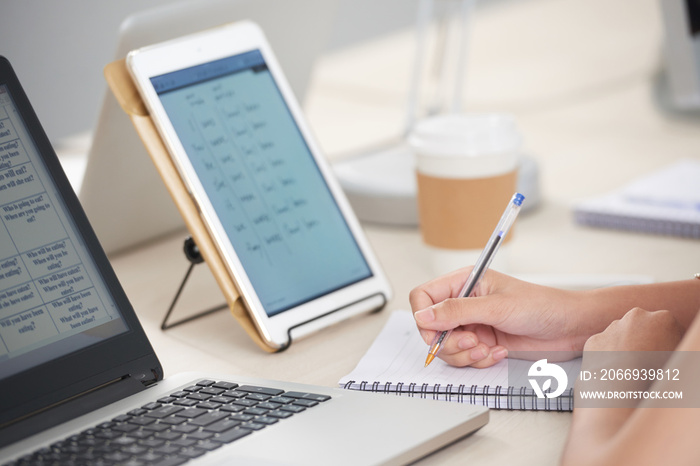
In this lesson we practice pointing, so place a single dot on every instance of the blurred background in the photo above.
(59, 48)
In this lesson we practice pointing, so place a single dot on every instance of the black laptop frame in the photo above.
(128, 355)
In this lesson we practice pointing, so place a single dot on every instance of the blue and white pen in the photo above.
(482, 264)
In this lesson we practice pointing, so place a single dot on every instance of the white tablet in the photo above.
(267, 196)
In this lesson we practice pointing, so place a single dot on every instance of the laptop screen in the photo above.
(53, 301)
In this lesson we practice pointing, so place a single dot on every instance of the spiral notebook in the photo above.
(394, 364)
(666, 202)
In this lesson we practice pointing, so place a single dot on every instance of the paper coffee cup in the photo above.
(466, 168)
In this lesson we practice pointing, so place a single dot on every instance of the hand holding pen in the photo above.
(482, 264)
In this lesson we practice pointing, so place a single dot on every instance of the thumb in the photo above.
(455, 312)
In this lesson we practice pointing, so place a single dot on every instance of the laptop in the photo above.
(81, 383)
(119, 173)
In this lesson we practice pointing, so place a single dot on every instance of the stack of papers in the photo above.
(666, 202)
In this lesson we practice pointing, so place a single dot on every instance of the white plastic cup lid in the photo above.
(461, 135)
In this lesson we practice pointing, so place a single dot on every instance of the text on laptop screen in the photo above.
(52, 300)
(261, 180)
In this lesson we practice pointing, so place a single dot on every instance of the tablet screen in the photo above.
(262, 180)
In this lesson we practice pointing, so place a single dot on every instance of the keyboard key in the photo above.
(206, 383)
(128, 463)
(185, 402)
(245, 402)
(108, 434)
(185, 428)
(258, 397)
(208, 418)
(165, 411)
(88, 457)
(208, 405)
(156, 427)
(174, 420)
(220, 399)
(268, 405)
(231, 435)
(151, 442)
(263, 390)
(172, 461)
(307, 396)
(200, 435)
(134, 450)
(198, 396)
(253, 426)
(212, 391)
(72, 449)
(167, 450)
(150, 406)
(117, 456)
(266, 420)
(255, 411)
(191, 413)
(123, 441)
(191, 452)
(281, 399)
(292, 408)
(225, 385)
(140, 434)
(89, 442)
(222, 425)
(141, 420)
(305, 403)
(208, 445)
(232, 408)
(150, 457)
(125, 427)
(168, 435)
(183, 442)
(280, 414)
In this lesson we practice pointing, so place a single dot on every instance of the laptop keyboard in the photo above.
(176, 428)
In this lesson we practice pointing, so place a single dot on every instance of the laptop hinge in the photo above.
(75, 406)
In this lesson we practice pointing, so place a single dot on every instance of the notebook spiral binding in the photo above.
(499, 397)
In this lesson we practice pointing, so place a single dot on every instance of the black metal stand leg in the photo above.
(192, 254)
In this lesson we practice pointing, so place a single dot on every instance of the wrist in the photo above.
(588, 314)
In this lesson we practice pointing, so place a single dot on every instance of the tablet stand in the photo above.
(194, 257)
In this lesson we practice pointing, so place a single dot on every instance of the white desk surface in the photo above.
(579, 76)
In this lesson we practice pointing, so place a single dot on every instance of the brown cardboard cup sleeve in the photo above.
(460, 213)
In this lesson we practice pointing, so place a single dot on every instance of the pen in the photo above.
(482, 264)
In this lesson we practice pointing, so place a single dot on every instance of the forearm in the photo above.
(601, 306)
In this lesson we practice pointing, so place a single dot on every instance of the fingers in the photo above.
(638, 330)
(435, 291)
(480, 356)
(465, 348)
(454, 312)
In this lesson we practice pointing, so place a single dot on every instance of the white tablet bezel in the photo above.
(227, 41)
